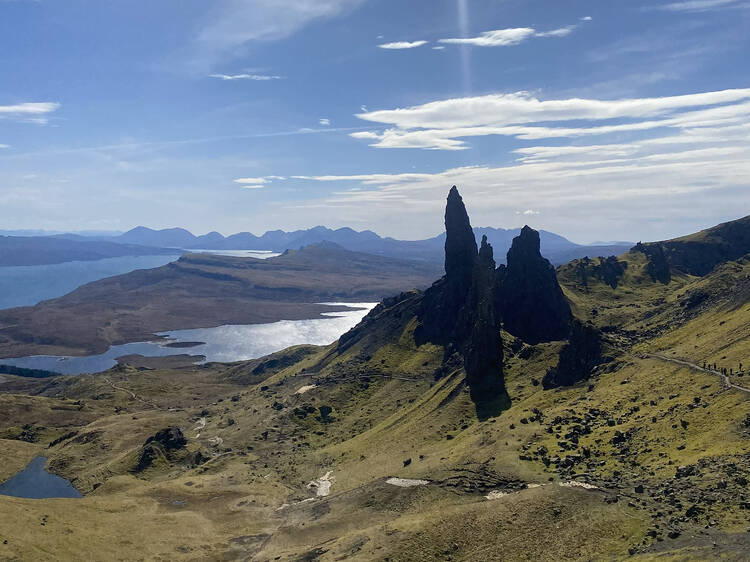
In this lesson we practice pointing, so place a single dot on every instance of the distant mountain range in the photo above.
(556, 248)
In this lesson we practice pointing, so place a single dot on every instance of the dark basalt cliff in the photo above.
(532, 303)
(458, 311)
(465, 311)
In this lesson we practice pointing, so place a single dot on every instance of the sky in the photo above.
(596, 120)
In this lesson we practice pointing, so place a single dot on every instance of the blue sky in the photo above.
(597, 120)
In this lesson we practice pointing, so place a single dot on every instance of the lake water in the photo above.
(28, 285)
(258, 254)
(224, 344)
(34, 482)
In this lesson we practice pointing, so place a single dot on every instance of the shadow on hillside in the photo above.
(490, 399)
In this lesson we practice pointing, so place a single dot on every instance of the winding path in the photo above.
(133, 395)
(724, 378)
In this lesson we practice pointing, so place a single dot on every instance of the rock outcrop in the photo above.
(657, 267)
(463, 312)
(159, 447)
(578, 358)
(170, 438)
(531, 302)
(458, 311)
(608, 270)
(483, 352)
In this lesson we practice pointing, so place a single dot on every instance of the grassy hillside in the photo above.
(372, 448)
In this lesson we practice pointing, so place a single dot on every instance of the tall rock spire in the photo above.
(458, 312)
(533, 305)
(460, 243)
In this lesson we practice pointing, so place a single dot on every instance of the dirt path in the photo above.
(133, 395)
(724, 378)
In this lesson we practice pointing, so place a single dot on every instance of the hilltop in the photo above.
(508, 411)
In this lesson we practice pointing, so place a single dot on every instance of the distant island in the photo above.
(205, 291)
(48, 250)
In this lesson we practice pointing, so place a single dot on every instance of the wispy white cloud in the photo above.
(398, 45)
(702, 5)
(257, 183)
(34, 112)
(591, 185)
(325, 122)
(496, 38)
(251, 181)
(4, 146)
(234, 23)
(559, 32)
(511, 36)
(649, 154)
(41, 108)
(256, 77)
(442, 125)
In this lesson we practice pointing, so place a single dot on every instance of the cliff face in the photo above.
(532, 303)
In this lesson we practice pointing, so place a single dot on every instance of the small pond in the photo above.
(34, 482)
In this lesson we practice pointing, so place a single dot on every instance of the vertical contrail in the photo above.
(463, 25)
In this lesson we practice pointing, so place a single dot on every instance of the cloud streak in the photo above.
(257, 183)
(443, 125)
(34, 112)
(42, 108)
(256, 77)
(510, 36)
(702, 5)
(399, 45)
